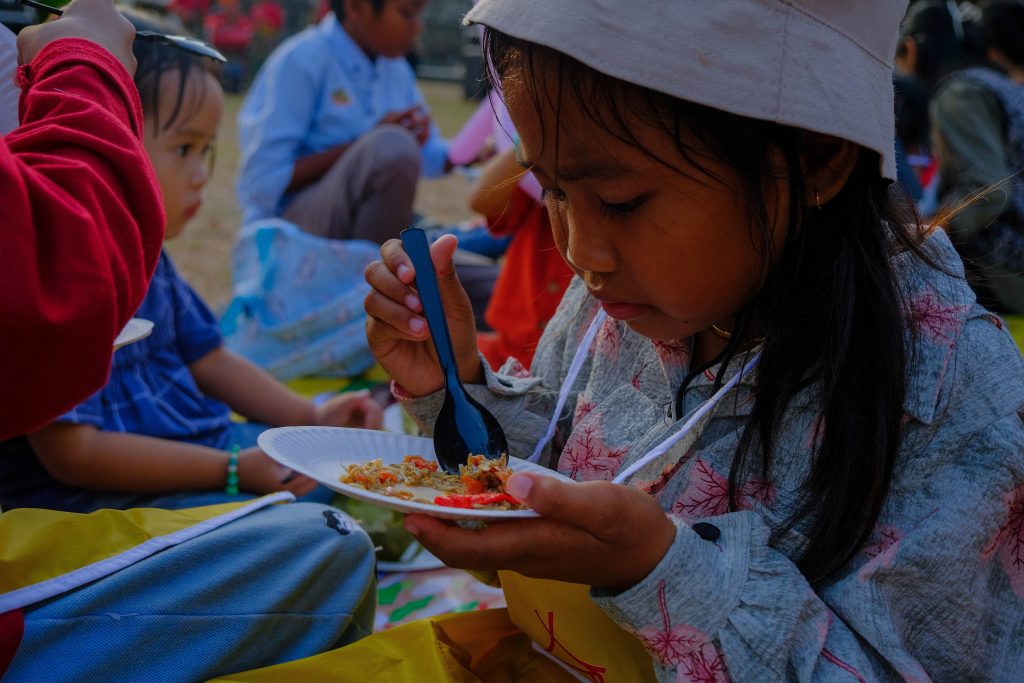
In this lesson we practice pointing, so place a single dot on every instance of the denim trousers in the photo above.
(285, 582)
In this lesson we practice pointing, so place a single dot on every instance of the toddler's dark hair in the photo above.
(155, 59)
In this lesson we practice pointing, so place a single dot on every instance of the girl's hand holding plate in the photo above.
(594, 533)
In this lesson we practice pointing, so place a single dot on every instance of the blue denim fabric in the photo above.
(277, 585)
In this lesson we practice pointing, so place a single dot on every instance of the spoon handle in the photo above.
(416, 246)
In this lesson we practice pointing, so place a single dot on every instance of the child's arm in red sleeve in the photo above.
(82, 222)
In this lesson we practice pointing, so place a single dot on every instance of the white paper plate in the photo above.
(421, 561)
(136, 329)
(322, 453)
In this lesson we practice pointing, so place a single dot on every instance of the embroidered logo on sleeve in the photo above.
(340, 96)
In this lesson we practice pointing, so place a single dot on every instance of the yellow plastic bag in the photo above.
(544, 620)
(562, 619)
(469, 647)
(44, 553)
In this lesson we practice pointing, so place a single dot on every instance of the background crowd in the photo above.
(960, 111)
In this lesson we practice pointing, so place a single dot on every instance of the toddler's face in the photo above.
(668, 253)
(182, 152)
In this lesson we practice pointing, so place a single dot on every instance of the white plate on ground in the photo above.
(422, 560)
(136, 329)
(323, 453)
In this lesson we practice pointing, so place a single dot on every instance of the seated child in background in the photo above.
(533, 276)
(334, 131)
(158, 434)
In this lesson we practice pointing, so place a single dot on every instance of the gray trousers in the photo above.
(367, 194)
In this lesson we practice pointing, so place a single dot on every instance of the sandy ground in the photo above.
(203, 252)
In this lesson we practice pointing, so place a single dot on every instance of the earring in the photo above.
(817, 199)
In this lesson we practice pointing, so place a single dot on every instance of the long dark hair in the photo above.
(830, 308)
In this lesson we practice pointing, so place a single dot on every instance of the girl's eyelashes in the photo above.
(205, 152)
(609, 209)
(621, 209)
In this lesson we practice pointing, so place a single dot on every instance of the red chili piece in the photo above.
(468, 501)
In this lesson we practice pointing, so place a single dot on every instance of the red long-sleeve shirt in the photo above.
(82, 223)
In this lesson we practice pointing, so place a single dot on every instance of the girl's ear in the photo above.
(827, 163)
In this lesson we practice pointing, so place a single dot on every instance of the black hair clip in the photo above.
(191, 45)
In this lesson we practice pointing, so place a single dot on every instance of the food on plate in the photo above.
(479, 485)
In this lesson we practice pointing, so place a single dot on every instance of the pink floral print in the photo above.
(1008, 543)
(935, 318)
(667, 643)
(609, 339)
(586, 456)
(672, 354)
(705, 665)
(881, 551)
(707, 493)
(583, 408)
(515, 368)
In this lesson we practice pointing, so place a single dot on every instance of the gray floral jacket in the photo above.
(938, 591)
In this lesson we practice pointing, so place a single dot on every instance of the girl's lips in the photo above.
(624, 311)
(192, 210)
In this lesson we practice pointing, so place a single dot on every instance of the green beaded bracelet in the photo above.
(231, 486)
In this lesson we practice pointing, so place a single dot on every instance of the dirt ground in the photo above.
(203, 252)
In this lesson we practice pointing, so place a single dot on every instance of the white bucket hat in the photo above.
(821, 65)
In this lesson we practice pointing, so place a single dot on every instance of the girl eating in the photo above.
(796, 438)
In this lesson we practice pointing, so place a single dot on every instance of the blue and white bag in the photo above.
(298, 301)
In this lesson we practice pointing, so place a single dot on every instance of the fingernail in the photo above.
(411, 527)
(417, 325)
(403, 271)
(412, 301)
(519, 486)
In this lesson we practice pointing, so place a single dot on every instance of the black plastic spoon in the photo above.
(463, 427)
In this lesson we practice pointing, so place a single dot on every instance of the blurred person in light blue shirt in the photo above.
(335, 132)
